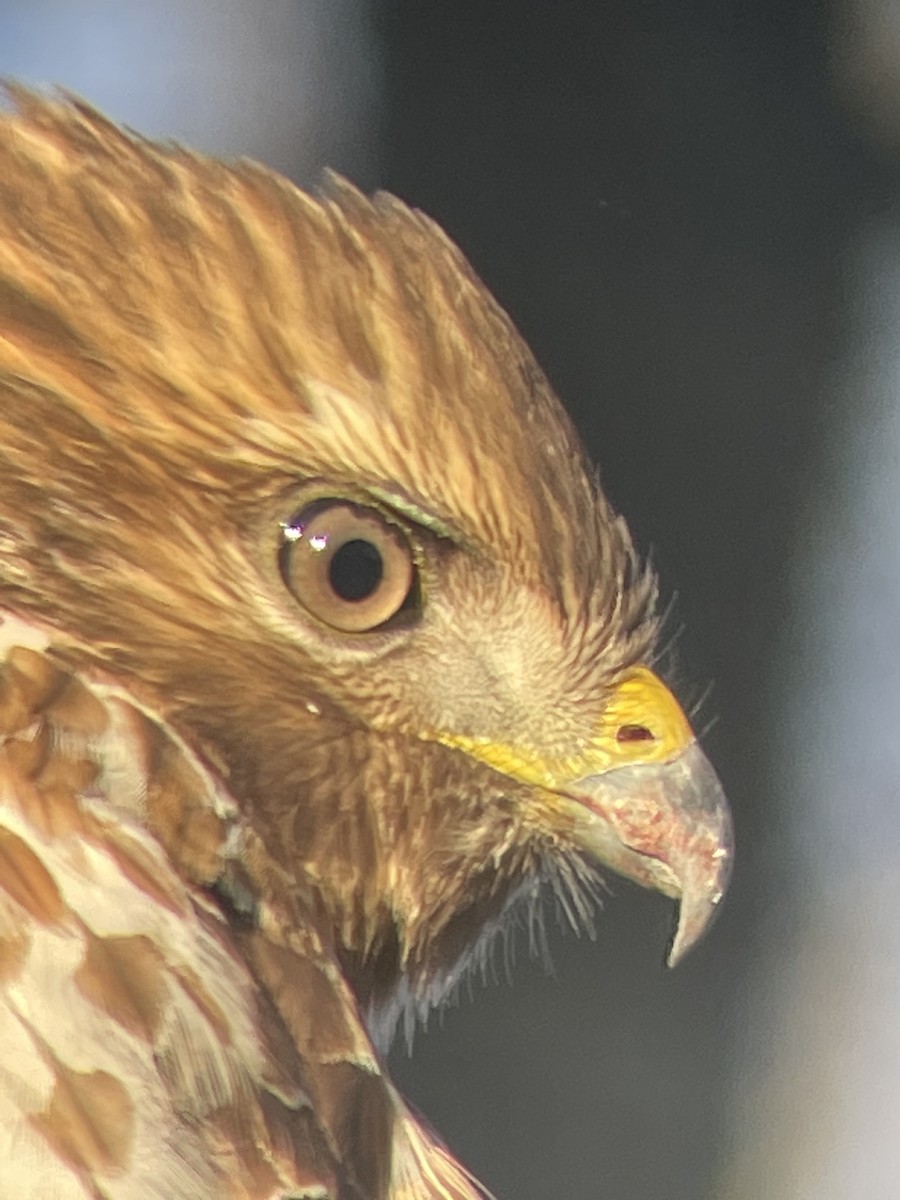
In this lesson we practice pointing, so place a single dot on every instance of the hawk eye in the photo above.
(348, 566)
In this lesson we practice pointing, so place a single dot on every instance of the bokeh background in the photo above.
(691, 208)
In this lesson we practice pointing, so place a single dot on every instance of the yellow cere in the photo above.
(642, 723)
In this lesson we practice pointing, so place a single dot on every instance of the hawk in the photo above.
(321, 650)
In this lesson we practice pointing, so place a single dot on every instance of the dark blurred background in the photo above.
(691, 211)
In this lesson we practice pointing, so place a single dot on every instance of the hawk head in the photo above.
(279, 468)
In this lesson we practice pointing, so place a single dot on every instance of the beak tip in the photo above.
(667, 826)
(699, 906)
(689, 931)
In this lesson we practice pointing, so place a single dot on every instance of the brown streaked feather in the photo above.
(159, 1019)
(165, 1041)
(158, 274)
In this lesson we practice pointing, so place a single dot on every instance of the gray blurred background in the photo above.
(692, 211)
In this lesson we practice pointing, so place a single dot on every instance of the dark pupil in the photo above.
(355, 570)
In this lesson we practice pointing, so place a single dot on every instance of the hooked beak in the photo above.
(640, 797)
(666, 826)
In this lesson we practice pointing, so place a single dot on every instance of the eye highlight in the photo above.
(348, 566)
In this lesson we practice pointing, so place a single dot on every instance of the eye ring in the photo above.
(349, 567)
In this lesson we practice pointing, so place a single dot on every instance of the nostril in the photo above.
(634, 733)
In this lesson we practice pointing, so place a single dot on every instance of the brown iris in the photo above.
(348, 566)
